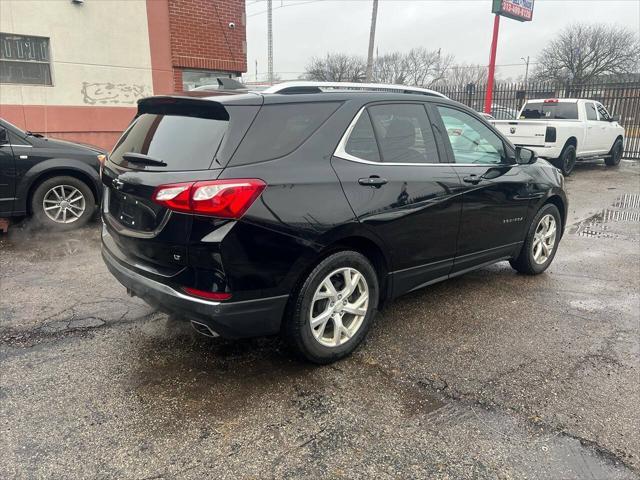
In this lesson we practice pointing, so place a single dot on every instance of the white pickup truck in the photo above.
(565, 130)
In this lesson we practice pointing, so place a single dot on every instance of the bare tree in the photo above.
(390, 68)
(426, 67)
(464, 74)
(336, 67)
(585, 51)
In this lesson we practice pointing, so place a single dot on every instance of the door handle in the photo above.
(373, 181)
(472, 179)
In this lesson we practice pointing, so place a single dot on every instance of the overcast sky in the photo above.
(306, 28)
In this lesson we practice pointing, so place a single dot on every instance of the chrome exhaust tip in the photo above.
(203, 329)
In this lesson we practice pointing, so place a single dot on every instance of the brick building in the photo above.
(74, 69)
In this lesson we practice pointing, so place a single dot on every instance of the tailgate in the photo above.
(523, 132)
(171, 141)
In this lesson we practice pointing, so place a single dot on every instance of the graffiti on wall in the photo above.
(113, 93)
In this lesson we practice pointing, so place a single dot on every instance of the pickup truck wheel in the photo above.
(567, 160)
(62, 203)
(333, 309)
(615, 155)
(541, 242)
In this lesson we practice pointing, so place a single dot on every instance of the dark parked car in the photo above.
(57, 182)
(304, 213)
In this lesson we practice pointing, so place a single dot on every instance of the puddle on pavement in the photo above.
(606, 224)
(225, 380)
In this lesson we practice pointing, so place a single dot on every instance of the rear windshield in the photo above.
(280, 129)
(188, 141)
(550, 110)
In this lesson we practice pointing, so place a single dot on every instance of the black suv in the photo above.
(303, 213)
(57, 182)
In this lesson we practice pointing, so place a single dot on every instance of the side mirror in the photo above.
(3, 136)
(525, 156)
(615, 118)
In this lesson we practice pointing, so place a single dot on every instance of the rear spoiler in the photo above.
(183, 106)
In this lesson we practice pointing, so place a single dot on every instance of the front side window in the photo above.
(404, 133)
(471, 141)
(24, 60)
(591, 111)
(604, 115)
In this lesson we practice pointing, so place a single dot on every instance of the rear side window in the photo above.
(404, 133)
(362, 141)
(550, 110)
(280, 129)
(591, 111)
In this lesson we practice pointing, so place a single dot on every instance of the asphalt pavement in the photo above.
(492, 375)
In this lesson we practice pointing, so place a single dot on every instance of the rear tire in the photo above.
(316, 326)
(615, 155)
(567, 160)
(539, 247)
(62, 203)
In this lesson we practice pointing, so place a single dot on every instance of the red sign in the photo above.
(521, 10)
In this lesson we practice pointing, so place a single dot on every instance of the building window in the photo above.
(199, 78)
(24, 60)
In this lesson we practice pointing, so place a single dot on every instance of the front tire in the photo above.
(567, 160)
(541, 243)
(615, 155)
(333, 309)
(62, 203)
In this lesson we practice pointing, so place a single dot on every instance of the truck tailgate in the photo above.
(523, 132)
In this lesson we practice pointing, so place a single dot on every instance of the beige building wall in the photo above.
(99, 51)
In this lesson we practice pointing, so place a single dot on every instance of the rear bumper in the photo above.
(250, 318)
(550, 152)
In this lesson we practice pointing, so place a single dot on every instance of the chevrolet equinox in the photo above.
(302, 212)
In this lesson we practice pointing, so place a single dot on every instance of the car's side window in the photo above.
(591, 111)
(604, 115)
(471, 140)
(362, 141)
(404, 133)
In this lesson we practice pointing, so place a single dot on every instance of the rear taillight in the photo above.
(216, 198)
(550, 135)
(176, 196)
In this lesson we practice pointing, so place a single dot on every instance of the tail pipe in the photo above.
(203, 329)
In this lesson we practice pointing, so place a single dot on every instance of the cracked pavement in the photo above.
(488, 376)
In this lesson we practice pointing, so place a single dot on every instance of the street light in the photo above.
(526, 71)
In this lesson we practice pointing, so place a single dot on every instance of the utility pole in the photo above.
(372, 38)
(270, 39)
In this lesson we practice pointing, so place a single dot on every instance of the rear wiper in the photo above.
(143, 159)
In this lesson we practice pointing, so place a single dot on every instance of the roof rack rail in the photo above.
(319, 87)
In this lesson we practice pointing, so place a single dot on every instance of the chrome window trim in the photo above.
(14, 145)
(340, 152)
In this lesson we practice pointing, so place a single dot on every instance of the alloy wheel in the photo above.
(64, 204)
(570, 161)
(339, 307)
(544, 239)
